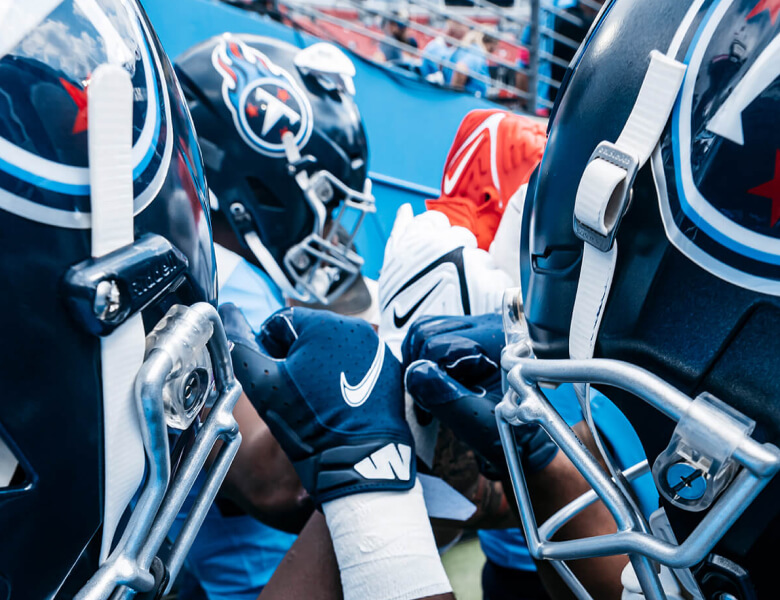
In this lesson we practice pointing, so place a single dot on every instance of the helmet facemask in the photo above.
(711, 464)
(324, 264)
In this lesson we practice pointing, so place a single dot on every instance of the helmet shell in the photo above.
(244, 92)
(51, 413)
(689, 300)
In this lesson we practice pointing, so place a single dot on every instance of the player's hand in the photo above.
(431, 267)
(331, 395)
(454, 374)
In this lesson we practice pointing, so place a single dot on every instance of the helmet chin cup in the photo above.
(322, 269)
(187, 363)
(711, 464)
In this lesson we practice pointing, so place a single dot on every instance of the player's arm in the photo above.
(310, 571)
(332, 396)
(553, 488)
(261, 480)
(456, 463)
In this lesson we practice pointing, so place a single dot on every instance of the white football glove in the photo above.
(505, 248)
(432, 268)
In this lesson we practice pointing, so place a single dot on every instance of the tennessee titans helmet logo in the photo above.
(264, 99)
(723, 207)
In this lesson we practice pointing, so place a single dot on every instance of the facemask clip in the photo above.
(698, 465)
(183, 335)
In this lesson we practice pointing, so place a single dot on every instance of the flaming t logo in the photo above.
(264, 99)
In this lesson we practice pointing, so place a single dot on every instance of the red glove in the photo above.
(493, 154)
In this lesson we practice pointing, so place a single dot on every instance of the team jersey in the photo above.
(233, 557)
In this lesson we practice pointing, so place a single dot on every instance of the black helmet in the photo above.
(104, 236)
(285, 154)
(652, 236)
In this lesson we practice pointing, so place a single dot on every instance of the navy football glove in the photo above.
(454, 374)
(331, 394)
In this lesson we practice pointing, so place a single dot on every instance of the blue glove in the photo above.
(331, 394)
(454, 374)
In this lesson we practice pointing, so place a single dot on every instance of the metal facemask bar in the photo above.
(172, 386)
(186, 360)
(324, 265)
(711, 446)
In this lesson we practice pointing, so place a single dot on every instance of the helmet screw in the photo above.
(686, 481)
(194, 388)
(324, 191)
(108, 301)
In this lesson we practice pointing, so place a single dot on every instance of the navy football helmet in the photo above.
(651, 241)
(104, 238)
(285, 154)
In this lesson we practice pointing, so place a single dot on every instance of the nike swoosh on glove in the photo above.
(454, 374)
(331, 395)
(432, 268)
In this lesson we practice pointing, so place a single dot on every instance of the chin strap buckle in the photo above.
(609, 167)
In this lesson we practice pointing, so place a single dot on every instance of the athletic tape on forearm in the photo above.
(385, 547)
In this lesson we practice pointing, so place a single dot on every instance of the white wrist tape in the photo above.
(385, 547)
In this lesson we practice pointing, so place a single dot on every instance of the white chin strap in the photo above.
(268, 262)
(602, 198)
(110, 136)
(604, 191)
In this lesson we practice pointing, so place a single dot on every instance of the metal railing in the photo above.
(529, 27)
(315, 15)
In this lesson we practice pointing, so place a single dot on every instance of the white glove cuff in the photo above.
(385, 547)
(505, 248)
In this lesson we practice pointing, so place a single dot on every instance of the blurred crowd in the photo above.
(482, 54)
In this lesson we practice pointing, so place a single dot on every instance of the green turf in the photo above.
(464, 568)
